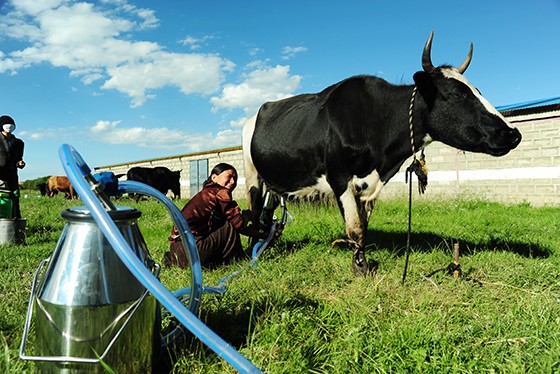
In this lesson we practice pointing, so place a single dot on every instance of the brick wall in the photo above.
(530, 173)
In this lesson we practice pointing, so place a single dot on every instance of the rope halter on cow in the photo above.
(418, 165)
(410, 113)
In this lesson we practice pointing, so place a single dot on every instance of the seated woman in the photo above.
(215, 220)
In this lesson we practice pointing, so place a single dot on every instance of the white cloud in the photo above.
(111, 132)
(260, 85)
(47, 133)
(34, 7)
(239, 122)
(95, 44)
(290, 52)
(148, 19)
(190, 41)
(191, 73)
(193, 42)
(225, 138)
(36, 135)
(255, 51)
(103, 126)
(82, 25)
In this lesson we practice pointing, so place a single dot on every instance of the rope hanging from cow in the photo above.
(418, 166)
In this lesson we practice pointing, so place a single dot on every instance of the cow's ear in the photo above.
(425, 86)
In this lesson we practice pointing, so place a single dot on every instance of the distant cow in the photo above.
(160, 178)
(42, 188)
(351, 138)
(56, 184)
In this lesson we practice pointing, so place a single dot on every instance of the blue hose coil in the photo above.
(77, 171)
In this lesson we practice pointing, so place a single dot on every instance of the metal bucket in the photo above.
(90, 310)
(12, 230)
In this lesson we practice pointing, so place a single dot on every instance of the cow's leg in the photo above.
(354, 219)
(170, 194)
(357, 203)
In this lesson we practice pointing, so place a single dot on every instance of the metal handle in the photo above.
(131, 310)
(30, 310)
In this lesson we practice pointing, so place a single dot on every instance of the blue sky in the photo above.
(129, 80)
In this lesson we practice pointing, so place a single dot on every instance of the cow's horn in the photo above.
(426, 59)
(467, 61)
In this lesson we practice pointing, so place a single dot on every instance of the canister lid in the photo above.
(82, 213)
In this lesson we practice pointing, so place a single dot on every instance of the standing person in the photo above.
(215, 220)
(11, 159)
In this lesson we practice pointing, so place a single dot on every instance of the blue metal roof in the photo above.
(529, 104)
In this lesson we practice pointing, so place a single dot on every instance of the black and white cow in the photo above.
(352, 137)
(160, 178)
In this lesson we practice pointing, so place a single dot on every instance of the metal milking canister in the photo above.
(90, 310)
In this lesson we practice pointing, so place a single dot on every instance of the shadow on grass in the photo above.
(234, 327)
(423, 242)
(426, 242)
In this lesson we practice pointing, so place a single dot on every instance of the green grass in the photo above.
(301, 310)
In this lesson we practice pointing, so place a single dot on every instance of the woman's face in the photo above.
(227, 179)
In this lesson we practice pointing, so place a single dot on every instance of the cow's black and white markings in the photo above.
(351, 138)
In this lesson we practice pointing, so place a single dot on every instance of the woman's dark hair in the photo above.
(219, 169)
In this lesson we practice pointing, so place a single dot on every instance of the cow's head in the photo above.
(458, 114)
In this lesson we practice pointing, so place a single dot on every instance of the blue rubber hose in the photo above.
(77, 172)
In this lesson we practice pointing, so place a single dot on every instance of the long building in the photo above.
(530, 173)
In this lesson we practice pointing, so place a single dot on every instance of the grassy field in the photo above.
(301, 310)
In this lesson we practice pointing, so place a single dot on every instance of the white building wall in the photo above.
(530, 173)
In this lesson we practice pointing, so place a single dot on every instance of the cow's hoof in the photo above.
(365, 268)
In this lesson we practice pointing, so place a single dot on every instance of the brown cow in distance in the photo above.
(56, 184)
